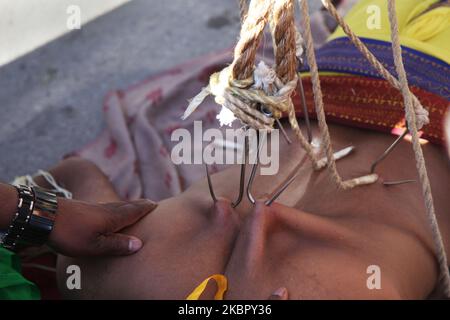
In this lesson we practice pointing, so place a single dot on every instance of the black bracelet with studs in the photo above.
(34, 219)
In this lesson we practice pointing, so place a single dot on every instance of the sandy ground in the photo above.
(50, 98)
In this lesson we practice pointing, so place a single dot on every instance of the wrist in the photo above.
(63, 203)
(34, 219)
(9, 200)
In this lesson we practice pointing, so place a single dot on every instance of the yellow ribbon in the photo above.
(222, 286)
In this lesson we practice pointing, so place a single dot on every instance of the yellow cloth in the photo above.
(428, 33)
(222, 286)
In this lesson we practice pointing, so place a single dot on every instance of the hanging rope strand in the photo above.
(243, 9)
(318, 102)
(284, 38)
(444, 277)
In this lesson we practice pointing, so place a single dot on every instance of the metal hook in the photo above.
(385, 154)
(283, 131)
(300, 63)
(281, 189)
(396, 183)
(268, 113)
(305, 109)
(253, 173)
(242, 178)
(210, 186)
(387, 151)
(277, 194)
(255, 165)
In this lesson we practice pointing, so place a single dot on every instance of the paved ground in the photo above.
(50, 99)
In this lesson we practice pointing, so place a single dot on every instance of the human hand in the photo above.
(86, 229)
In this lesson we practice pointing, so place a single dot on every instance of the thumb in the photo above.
(129, 213)
(117, 244)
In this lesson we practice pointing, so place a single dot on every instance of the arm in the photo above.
(8, 204)
(83, 228)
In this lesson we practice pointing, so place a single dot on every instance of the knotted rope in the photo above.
(287, 43)
(242, 89)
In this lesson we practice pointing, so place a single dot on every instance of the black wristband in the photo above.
(34, 220)
(42, 219)
(23, 214)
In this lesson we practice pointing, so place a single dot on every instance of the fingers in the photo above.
(279, 294)
(128, 213)
(118, 244)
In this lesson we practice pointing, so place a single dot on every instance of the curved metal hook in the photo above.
(259, 145)
(210, 186)
(250, 183)
(242, 178)
(281, 189)
(385, 154)
(387, 151)
(253, 173)
(305, 109)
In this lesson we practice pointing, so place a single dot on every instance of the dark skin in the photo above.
(92, 227)
(85, 229)
(317, 241)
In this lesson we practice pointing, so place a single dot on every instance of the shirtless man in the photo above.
(316, 240)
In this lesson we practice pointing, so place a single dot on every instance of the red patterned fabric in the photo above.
(372, 103)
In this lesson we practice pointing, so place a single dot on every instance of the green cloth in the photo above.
(13, 286)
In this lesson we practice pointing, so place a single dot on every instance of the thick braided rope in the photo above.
(245, 53)
(421, 113)
(243, 9)
(250, 37)
(318, 102)
(444, 277)
(284, 36)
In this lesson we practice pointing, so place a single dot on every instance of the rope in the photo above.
(421, 113)
(242, 89)
(285, 37)
(250, 37)
(318, 102)
(56, 187)
(444, 277)
(286, 48)
(29, 181)
(243, 9)
(234, 87)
